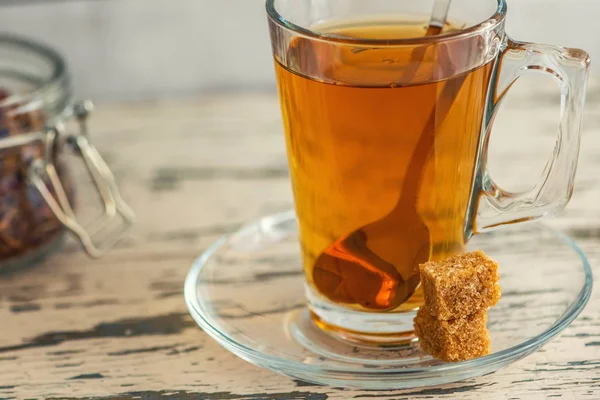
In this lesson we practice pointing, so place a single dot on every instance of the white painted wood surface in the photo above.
(195, 169)
(150, 49)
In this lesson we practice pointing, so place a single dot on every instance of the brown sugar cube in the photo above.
(455, 340)
(461, 285)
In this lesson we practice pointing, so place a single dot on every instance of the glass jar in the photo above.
(37, 191)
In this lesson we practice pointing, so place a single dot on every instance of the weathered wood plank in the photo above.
(193, 170)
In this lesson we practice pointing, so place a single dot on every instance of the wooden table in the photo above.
(196, 169)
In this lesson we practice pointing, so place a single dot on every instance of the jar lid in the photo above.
(33, 75)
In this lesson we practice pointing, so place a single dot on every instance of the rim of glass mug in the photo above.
(488, 25)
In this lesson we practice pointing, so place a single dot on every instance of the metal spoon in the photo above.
(439, 16)
(376, 266)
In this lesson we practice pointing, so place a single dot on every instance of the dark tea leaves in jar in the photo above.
(26, 220)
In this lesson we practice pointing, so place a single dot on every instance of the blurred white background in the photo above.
(150, 49)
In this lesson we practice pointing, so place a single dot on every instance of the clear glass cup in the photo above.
(387, 125)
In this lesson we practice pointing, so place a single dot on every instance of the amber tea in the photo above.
(382, 153)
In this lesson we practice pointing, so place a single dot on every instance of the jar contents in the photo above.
(26, 220)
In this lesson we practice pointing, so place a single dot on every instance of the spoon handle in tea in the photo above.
(440, 13)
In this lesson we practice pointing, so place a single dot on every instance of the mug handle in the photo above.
(569, 67)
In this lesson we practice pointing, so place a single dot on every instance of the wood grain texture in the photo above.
(195, 169)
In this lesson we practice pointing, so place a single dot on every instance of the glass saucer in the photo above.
(247, 292)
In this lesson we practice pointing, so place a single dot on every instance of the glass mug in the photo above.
(387, 119)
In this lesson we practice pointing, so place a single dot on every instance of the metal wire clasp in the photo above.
(101, 234)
